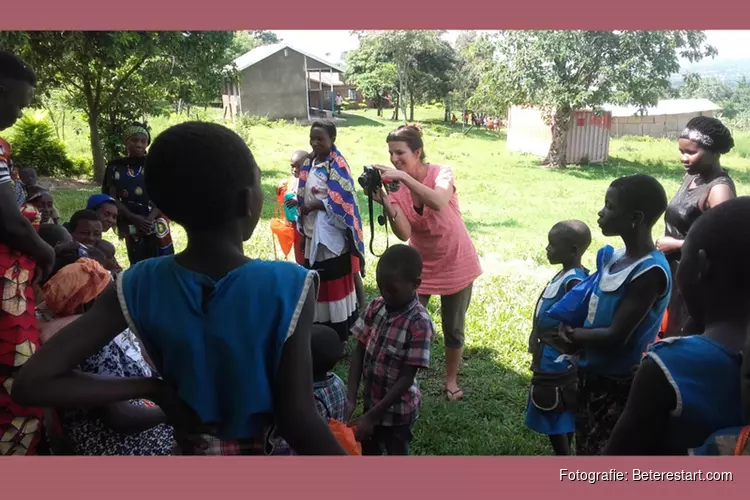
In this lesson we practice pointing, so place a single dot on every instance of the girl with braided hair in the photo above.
(705, 186)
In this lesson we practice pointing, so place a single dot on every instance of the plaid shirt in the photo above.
(330, 398)
(393, 341)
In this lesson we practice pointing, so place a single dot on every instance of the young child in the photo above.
(42, 201)
(109, 253)
(394, 337)
(625, 309)
(329, 390)
(85, 227)
(225, 388)
(29, 179)
(551, 406)
(288, 190)
(687, 388)
(106, 208)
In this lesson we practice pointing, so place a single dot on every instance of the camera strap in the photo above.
(382, 220)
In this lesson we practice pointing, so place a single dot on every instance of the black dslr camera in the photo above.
(371, 181)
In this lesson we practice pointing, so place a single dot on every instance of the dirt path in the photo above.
(51, 183)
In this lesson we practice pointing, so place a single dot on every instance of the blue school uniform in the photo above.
(723, 443)
(706, 381)
(551, 360)
(606, 297)
(218, 342)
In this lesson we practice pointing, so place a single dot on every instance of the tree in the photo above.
(562, 71)
(368, 70)
(245, 41)
(475, 54)
(116, 76)
(421, 60)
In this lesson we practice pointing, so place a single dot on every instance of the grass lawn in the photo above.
(509, 203)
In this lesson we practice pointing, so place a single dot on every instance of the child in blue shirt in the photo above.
(551, 405)
(229, 335)
(625, 309)
(688, 387)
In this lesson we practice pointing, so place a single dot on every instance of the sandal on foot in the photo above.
(454, 395)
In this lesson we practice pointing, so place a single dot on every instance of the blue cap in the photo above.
(96, 200)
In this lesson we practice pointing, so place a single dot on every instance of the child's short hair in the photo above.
(196, 161)
(402, 260)
(326, 348)
(724, 234)
(54, 234)
(82, 215)
(575, 232)
(642, 193)
(34, 192)
(107, 249)
(299, 155)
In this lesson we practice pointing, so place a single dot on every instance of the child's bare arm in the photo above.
(650, 401)
(296, 415)
(49, 379)
(405, 380)
(355, 375)
(640, 297)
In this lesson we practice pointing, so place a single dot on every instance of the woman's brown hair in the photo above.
(411, 134)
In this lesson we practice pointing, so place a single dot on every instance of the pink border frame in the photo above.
(124, 478)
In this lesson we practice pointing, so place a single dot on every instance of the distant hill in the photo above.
(726, 71)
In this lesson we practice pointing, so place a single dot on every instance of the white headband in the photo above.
(697, 137)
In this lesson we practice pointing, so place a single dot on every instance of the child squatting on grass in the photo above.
(225, 390)
(393, 343)
(551, 406)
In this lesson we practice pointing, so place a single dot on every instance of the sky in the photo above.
(732, 45)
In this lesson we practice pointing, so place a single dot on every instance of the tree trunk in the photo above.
(558, 150)
(96, 146)
(411, 108)
(396, 107)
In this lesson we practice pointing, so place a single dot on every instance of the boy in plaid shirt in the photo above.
(394, 338)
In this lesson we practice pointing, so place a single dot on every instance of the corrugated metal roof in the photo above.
(665, 107)
(259, 53)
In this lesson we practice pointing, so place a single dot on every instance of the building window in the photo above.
(352, 94)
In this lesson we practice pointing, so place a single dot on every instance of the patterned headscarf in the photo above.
(75, 285)
(136, 129)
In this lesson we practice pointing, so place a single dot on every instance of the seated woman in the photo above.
(125, 428)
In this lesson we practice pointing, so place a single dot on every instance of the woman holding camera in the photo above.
(425, 212)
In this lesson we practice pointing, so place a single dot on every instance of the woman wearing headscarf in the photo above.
(706, 185)
(144, 227)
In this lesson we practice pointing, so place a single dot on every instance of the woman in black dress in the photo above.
(705, 186)
(144, 227)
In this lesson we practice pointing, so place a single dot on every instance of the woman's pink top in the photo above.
(450, 261)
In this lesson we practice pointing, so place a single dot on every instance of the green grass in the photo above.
(509, 203)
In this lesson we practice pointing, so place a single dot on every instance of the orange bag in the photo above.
(284, 232)
(345, 436)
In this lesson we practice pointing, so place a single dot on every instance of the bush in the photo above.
(36, 145)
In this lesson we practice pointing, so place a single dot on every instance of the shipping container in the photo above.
(588, 134)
